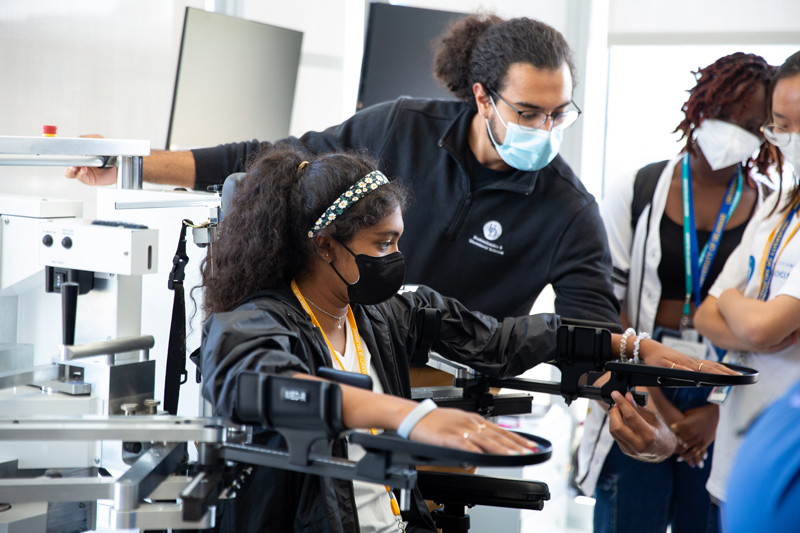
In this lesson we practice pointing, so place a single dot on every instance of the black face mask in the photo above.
(379, 278)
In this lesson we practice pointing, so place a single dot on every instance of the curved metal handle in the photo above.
(90, 349)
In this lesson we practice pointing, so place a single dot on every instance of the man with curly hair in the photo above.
(497, 213)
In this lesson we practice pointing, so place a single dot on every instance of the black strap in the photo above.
(176, 348)
(644, 187)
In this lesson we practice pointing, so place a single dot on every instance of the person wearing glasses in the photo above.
(753, 310)
(497, 215)
(671, 226)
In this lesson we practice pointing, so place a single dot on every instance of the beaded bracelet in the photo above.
(623, 343)
(639, 338)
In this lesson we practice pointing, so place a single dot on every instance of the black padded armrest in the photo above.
(467, 489)
(282, 402)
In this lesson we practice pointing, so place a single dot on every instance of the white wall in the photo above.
(88, 66)
(712, 18)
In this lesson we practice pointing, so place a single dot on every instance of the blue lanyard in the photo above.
(771, 254)
(697, 265)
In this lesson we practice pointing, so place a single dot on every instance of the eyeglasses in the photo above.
(533, 120)
(777, 135)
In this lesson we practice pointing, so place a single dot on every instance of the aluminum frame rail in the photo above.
(78, 152)
(150, 476)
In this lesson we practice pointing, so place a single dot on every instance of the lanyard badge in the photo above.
(697, 265)
(772, 251)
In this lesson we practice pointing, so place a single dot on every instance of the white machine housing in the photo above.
(83, 245)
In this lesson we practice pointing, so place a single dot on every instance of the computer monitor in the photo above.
(235, 81)
(398, 53)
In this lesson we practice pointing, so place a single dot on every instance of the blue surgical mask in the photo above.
(526, 150)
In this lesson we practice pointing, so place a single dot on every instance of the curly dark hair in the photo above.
(728, 80)
(789, 69)
(263, 241)
(481, 48)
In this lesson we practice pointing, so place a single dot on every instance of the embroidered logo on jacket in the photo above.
(492, 231)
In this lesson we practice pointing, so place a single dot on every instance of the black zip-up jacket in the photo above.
(271, 333)
(494, 249)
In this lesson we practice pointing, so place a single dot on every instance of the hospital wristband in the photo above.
(412, 419)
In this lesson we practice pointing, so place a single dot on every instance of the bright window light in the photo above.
(647, 86)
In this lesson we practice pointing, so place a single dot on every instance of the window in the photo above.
(646, 88)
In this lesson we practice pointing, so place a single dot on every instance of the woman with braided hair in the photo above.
(671, 225)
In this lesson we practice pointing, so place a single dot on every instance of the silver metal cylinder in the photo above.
(405, 499)
(129, 172)
(110, 348)
(126, 495)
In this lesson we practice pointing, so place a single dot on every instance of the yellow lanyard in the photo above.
(362, 365)
(769, 255)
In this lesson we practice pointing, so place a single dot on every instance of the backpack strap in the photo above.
(644, 187)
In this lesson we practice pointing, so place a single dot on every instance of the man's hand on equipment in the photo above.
(91, 175)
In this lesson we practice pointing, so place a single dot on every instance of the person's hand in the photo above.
(656, 354)
(695, 432)
(640, 433)
(91, 175)
(459, 429)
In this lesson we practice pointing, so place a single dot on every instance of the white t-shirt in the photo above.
(777, 371)
(372, 501)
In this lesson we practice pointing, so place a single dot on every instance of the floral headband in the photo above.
(361, 188)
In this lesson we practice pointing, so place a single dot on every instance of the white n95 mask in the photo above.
(725, 144)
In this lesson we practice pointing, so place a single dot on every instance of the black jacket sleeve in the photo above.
(581, 269)
(244, 339)
(213, 165)
(367, 129)
(498, 348)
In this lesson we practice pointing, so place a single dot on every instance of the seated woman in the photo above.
(305, 274)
